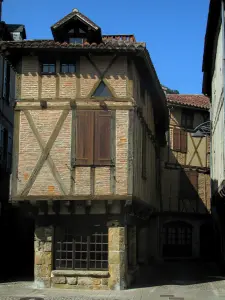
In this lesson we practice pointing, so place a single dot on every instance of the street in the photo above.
(190, 280)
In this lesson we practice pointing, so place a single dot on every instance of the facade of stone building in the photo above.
(90, 118)
(213, 87)
(183, 227)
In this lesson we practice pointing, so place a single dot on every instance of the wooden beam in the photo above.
(50, 161)
(73, 198)
(81, 106)
(130, 153)
(45, 153)
(15, 159)
(77, 99)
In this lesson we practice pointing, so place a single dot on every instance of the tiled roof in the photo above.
(200, 101)
(75, 13)
(106, 44)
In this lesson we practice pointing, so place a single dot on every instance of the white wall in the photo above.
(217, 116)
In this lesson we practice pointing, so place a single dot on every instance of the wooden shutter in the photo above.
(176, 139)
(84, 137)
(193, 179)
(102, 143)
(183, 141)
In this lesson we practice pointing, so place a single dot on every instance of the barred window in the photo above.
(87, 252)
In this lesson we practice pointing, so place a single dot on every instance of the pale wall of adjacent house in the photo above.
(217, 116)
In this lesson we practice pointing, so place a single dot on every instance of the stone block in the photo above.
(47, 258)
(71, 280)
(59, 280)
(104, 281)
(42, 271)
(96, 281)
(38, 258)
(42, 282)
(48, 246)
(116, 238)
(85, 281)
(116, 257)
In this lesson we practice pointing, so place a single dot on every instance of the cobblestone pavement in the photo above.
(166, 282)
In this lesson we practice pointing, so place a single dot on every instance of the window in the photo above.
(76, 40)
(48, 68)
(87, 251)
(187, 119)
(142, 92)
(144, 153)
(179, 140)
(93, 138)
(67, 68)
(6, 83)
(102, 91)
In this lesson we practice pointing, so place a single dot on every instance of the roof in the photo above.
(51, 44)
(198, 101)
(80, 16)
(214, 19)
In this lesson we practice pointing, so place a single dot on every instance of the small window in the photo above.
(48, 68)
(76, 40)
(102, 91)
(68, 68)
(187, 119)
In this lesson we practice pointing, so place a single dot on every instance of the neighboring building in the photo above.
(183, 226)
(90, 119)
(213, 86)
(8, 32)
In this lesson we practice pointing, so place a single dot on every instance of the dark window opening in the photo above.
(102, 91)
(48, 68)
(67, 68)
(76, 40)
(87, 252)
(177, 239)
(188, 184)
(93, 138)
(187, 119)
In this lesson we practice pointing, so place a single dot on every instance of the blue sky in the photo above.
(173, 30)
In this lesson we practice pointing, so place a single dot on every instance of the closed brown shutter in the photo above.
(183, 141)
(84, 137)
(102, 148)
(176, 139)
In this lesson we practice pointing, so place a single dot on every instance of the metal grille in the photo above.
(89, 252)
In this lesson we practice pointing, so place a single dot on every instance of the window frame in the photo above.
(76, 249)
(51, 63)
(186, 116)
(68, 64)
(92, 157)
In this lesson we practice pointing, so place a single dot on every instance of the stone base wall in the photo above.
(116, 278)
(93, 280)
(43, 256)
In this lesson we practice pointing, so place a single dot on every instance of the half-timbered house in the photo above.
(90, 118)
(184, 222)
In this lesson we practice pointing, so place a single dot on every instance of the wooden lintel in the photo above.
(81, 106)
(88, 99)
(74, 198)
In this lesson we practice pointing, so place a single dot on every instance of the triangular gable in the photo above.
(75, 14)
(102, 91)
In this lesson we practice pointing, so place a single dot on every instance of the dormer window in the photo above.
(76, 40)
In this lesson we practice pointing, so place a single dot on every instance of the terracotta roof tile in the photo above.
(107, 44)
(200, 101)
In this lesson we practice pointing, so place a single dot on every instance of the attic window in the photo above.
(102, 91)
(76, 40)
(48, 68)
